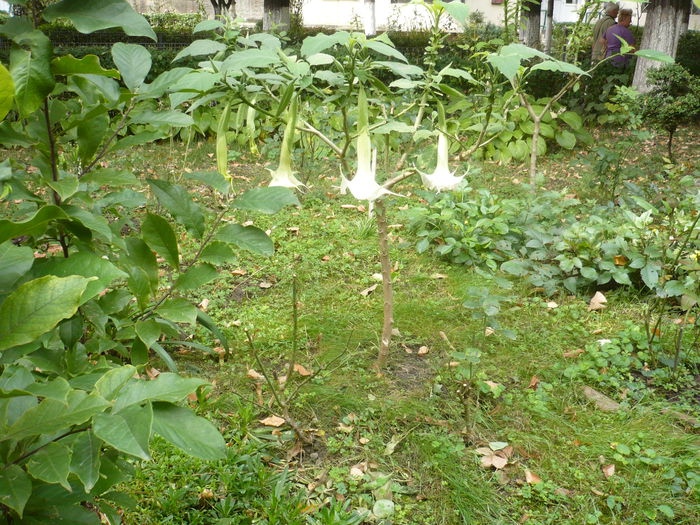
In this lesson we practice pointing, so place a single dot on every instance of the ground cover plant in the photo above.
(538, 356)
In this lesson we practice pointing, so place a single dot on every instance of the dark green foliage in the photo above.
(688, 54)
(674, 100)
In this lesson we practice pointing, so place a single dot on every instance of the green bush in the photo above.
(688, 54)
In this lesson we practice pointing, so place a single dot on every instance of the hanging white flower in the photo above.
(283, 175)
(363, 186)
(442, 179)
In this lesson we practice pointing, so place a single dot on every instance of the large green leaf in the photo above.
(573, 119)
(170, 117)
(249, 58)
(177, 201)
(247, 237)
(15, 261)
(85, 462)
(110, 384)
(128, 431)
(196, 276)
(403, 70)
(195, 435)
(266, 200)
(141, 257)
(166, 387)
(178, 310)
(134, 63)
(7, 91)
(385, 49)
(148, 331)
(15, 488)
(86, 264)
(91, 133)
(652, 54)
(321, 42)
(37, 307)
(34, 226)
(164, 82)
(51, 464)
(557, 65)
(87, 65)
(159, 235)
(30, 67)
(200, 48)
(92, 15)
(566, 139)
(458, 11)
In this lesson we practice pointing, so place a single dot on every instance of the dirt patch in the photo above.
(409, 371)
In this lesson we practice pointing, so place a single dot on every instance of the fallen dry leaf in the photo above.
(299, 369)
(597, 302)
(602, 401)
(265, 285)
(238, 272)
(492, 384)
(608, 470)
(551, 305)
(488, 331)
(377, 277)
(273, 421)
(560, 491)
(438, 276)
(532, 478)
(597, 492)
(326, 258)
(206, 494)
(369, 290)
(574, 353)
(620, 260)
(255, 375)
(152, 373)
(364, 440)
(534, 381)
(423, 350)
(356, 473)
(204, 304)
(344, 428)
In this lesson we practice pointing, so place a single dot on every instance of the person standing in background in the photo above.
(601, 26)
(613, 35)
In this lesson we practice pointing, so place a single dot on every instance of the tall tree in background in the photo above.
(370, 17)
(532, 24)
(275, 13)
(548, 27)
(662, 29)
(221, 7)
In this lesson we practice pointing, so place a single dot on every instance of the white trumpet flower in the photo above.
(442, 179)
(283, 175)
(363, 186)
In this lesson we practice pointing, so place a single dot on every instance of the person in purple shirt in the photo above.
(612, 42)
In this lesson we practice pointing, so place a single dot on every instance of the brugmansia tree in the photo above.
(85, 303)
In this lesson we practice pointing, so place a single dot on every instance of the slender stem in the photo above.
(54, 440)
(108, 143)
(383, 234)
(53, 161)
(295, 318)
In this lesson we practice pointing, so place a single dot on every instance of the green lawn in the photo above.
(411, 435)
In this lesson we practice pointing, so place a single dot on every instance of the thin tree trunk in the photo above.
(370, 17)
(533, 151)
(275, 14)
(388, 293)
(549, 27)
(686, 17)
(532, 28)
(662, 30)
(669, 145)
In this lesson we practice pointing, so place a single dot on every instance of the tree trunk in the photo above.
(532, 27)
(388, 293)
(686, 17)
(662, 30)
(533, 152)
(549, 27)
(370, 17)
(275, 14)
(221, 7)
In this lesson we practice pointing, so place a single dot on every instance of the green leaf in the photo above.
(85, 462)
(458, 11)
(573, 119)
(208, 25)
(148, 331)
(320, 59)
(31, 71)
(589, 273)
(515, 267)
(89, 16)
(100, 271)
(321, 42)
(134, 63)
(178, 310)
(385, 49)
(247, 237)
(666, 510)
(195, 435)
(266, 200)
(110, 384)
(87, 65)
(403, 70)
(37, 307)
(652, 54)
(176, 200)
(566, 139)
(163, 82)
(7, 91)
(15, 261)
(170, 117)
(166, 387)
(211, 178)
(110, 177)
(15, 488)
(557, 65)
(249, 58)
(51, 464)
(507, 65)
(141, 257)
(200, 48)
(209, 323)
(34, 226)
(91, 132)
(650, 275)
(159, 235)
(91, 220)
(196, 276)
(217, 252)
(129, 431)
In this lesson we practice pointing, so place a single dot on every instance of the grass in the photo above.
(406, 431)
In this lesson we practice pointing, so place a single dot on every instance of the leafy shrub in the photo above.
(555, 241)
(688, 54)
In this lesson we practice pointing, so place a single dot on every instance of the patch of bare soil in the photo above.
(409, 371)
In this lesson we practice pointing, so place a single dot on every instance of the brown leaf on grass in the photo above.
(364, 441)
(602, 401)
(204, 304)
(348, 206)
(301, 370)
(438, 276)
(608, 470)
(620, 260)
(297, 449)
(369, 290)
(423, 350)
(489, 331)
(264, 285)
(532, 478)
(361, 208)
(219, 350)
(252, 374)
(597, 492)
(492, 384)
(152, 373)
(356, 473)
(574, 353)
(344, 428)
(238, 272)
(534, 381)
(273, 421)
(560, 491)
(597, 302)
(551, 305)
(293, 230)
